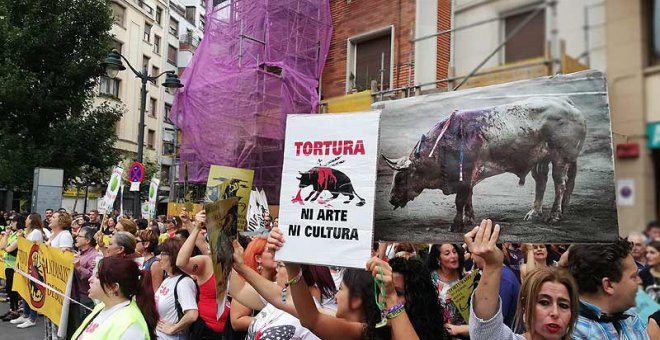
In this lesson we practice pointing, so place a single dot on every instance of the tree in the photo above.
(50, 52)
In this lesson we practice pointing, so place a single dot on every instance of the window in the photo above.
(174, 27)
(529, 42)
(369, 55)
(202, 22)
(155, 71)
(171, 55)
(109, 87)
(118, 13)
(153, 105)
(653, 31)
(156, 44)
(165, 173)
(151, 139)
(117, 45)
(168, 148)
(168, 108)
(190, 14)
(145, 63)
(147, 32)
(159, 15)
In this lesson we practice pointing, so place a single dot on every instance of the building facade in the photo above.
(633, 69)
(375, 47)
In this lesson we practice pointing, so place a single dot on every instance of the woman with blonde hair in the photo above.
(548, 304)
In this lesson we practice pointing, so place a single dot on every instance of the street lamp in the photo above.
(113, 64)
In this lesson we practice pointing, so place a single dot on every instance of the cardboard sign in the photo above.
(535, 156)
(222, 230)
(226, 182)
(328, 185)
(460, 294)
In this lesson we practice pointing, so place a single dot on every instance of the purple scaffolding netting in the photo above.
(258, 61)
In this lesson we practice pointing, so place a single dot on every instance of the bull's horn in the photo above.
(397, 164)
(298, 178)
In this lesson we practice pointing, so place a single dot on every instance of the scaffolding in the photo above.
(258, 61)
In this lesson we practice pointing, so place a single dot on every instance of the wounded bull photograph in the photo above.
(534, 155)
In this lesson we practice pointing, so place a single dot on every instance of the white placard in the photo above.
(625, 192)
(328, 188)
(153, 196)
(135, 186)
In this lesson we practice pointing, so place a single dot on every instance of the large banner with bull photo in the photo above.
(328, 188)
(534, 155)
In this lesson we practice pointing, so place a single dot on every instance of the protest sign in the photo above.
(460, 294)
(144, 208)
(225, 182)
(48, 266)
(326, 156)
(108, 199)
(255, 216)
(454, 158)
(645, 305)
(222, 230)
(175, 209)
(153, 196)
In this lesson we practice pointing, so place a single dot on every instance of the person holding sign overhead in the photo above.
(548, 304)
(360, 313)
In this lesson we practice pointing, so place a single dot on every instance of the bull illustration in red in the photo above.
(323, 178)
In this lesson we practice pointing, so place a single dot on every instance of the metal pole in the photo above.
(86, 198)
(382, 73)
(140, 146)
(586, 35)
(555, 53)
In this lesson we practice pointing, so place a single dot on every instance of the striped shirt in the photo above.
(631, 328)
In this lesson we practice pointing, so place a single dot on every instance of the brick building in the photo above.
(368, 35)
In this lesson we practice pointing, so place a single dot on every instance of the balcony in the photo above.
(188, 42)
(148, 9)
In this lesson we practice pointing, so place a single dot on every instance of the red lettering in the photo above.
(318, 148)
(359, 148)
(348, 147)
(327, 144)
(307, 148)
(298, 145)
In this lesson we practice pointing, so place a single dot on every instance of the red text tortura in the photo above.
(330, 147)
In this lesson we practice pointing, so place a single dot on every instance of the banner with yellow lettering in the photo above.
(45, 265)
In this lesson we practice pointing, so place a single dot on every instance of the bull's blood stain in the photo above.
(298, 198)
(326, 177)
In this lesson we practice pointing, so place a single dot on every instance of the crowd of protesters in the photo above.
(135, 279)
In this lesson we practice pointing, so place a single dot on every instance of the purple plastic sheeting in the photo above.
(232, 110)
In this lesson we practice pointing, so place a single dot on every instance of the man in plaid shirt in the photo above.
(606, 275)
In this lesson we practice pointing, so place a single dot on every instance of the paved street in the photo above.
(9, 331)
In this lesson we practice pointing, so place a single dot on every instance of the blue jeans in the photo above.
(32, 314)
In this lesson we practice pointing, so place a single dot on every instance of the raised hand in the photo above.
(482, 241)
(238, 254)
(275, 239)
(381, 270)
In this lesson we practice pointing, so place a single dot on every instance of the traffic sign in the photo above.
(136, 172)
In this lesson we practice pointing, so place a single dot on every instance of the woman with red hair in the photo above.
(257, 257)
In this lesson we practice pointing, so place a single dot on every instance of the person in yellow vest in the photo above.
(127, 310)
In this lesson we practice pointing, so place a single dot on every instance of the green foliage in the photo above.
(50, 52)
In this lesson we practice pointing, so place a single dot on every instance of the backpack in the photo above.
(177, 305)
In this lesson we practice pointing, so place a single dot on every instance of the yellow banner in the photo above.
(226, 182)
(46, 264)
(460, 294)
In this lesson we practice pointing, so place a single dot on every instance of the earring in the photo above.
(259, 267)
